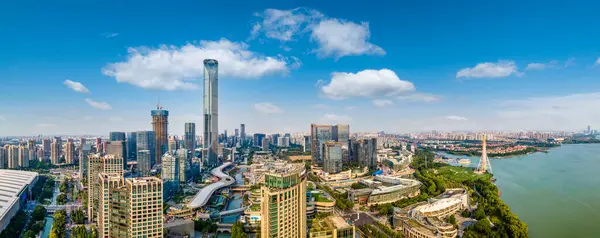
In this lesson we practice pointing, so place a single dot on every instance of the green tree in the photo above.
(237, 231)
(78, 216)
(80, 232)
(452, 220)
(61, 199)
(39, 212)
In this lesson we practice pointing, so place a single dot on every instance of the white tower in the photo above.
(484, 163)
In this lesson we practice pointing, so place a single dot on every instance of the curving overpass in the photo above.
(204, 194)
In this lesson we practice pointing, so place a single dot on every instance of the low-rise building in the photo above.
(331, 227)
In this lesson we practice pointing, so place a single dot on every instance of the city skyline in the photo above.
(431, 71)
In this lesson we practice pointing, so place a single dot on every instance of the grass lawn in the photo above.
(460, 174)
(319, 198)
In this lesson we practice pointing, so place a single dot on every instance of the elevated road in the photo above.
(204, 194)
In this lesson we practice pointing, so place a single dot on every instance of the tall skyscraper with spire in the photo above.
(211, 111)
(160, 122)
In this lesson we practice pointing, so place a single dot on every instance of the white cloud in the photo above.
(533, 66)
(419, 97)
(76, 86)
(456, 118)
(175, 68)
(110, 34)
(553, 64)
(268, 108)
(335, 37)
(366, 83)
(283, 25)
(338, 38)
(598, 61)
(489, 70)
(98, 105)
(2, 118)
(382, 102)
(334, 119)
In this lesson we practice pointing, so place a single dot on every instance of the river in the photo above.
(556, 193)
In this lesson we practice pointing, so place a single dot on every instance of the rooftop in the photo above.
(438, 205)
(12, 183)
(329, 223)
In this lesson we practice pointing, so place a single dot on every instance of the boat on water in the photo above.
(464, 161)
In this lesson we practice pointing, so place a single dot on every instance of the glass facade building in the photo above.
(145, 141)
(211, 111)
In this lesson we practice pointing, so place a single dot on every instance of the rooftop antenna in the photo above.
(158, 107)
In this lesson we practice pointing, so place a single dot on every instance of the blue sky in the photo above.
(399, 66)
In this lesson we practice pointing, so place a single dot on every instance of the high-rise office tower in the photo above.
(13, 157)
(236, 132)
(306, 144)
(265, 144)
(136, 208)
(160, 122)
(283, 205)
(117, 148)
(107, 184)
(99, 148)
(97, 164)
(3, 158)
(332, 157)
(283, 141)
(340, 133)
(190, 136)
(319, 134)
(84, 151)
(275, 139)
(131, 146)
(364, 152)
(211, 111)
(23, 156)
(243, 132)
(117, 136)
(144, 162)
(184, 165)
(70, 151)
(258, 139)
(145, 140)
(172, 144)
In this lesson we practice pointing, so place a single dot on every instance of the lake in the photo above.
(556, 193)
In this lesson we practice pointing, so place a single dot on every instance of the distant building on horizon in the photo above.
(70, 151)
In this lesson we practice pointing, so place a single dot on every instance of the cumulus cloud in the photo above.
(456, 118)
(283, 25)
(98, 105)
(76, 86)
(366, 83)
(489, 70)
(176, 68)
(419, 97)
(334, 37)
(334, 118)
(268, 108)
(338, 38)
(382, 102)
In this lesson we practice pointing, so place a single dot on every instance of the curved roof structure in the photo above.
(204, 194)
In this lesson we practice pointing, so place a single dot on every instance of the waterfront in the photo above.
(555, 193)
